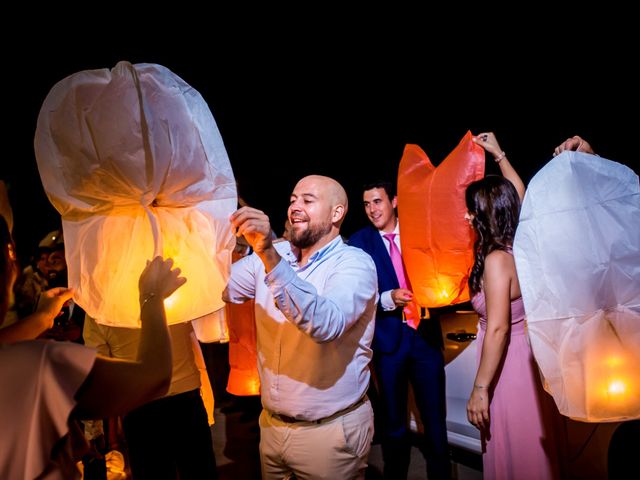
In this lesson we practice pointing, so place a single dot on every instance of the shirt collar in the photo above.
(292, 255)
(396, 230)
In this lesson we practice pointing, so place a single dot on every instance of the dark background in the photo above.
(287, 107)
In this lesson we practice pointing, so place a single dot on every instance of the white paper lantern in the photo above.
(134, 162)
(577, 251)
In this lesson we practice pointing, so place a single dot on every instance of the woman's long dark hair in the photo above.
(495, 206)
(8, 267)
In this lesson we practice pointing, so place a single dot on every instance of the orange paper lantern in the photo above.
(243, 352)
(437, 242)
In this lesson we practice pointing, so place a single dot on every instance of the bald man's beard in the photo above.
(311, 235)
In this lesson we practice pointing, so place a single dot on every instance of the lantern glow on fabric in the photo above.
(133, 161)
(437, 242)
(577, 251)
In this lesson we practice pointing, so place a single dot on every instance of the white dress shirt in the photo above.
(314, 327)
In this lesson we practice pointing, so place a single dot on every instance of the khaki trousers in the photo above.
(335, 449)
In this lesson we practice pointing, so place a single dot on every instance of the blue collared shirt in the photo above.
(314, 327)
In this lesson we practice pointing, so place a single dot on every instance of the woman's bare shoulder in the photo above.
(499, 260)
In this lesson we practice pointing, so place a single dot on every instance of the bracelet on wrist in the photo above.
(479, 386)
(145, 298)
(499, 158)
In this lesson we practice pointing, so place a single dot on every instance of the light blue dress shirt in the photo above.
(314, 327)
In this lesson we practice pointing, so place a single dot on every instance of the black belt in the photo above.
(339, 413)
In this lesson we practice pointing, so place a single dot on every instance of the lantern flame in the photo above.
(614, 392)
(617, 387)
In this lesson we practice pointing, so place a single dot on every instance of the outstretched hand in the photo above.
(160, 278)
(574, 143)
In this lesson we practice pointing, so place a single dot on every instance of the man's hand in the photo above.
(401, 296)
(254, 225)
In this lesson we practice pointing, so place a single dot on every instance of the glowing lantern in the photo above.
(134, 162)
(243, 379)
(437, 242)
(243, 354)
(577, 252)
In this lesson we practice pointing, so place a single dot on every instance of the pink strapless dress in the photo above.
(525, 429)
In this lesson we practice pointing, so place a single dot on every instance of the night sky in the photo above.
(347, 111)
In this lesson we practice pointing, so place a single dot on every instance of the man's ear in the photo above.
(338, 213)
(394, 202)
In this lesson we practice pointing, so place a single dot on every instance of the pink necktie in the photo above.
(411, 309)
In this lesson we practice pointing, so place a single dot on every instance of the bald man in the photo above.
(315, 301)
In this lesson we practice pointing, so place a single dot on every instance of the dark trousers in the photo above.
(170, 438)
(420, 362)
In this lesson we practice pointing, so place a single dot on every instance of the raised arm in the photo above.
(488, 141)
(114, 386)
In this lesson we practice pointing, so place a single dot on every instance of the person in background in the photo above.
(47, 270)
(401, 353)
(315, 306)
(625, 442)
(46, 384)
(507, 402)
(168, 437)
(34, 278)
(39, 317)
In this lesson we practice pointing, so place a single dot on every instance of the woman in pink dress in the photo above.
(43, 383)
(507, 403)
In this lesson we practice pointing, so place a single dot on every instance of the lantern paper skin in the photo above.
(134, 162)
(243, 350)
(577, 251)
(437, 242)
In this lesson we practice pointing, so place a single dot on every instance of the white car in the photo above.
(590, 452)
